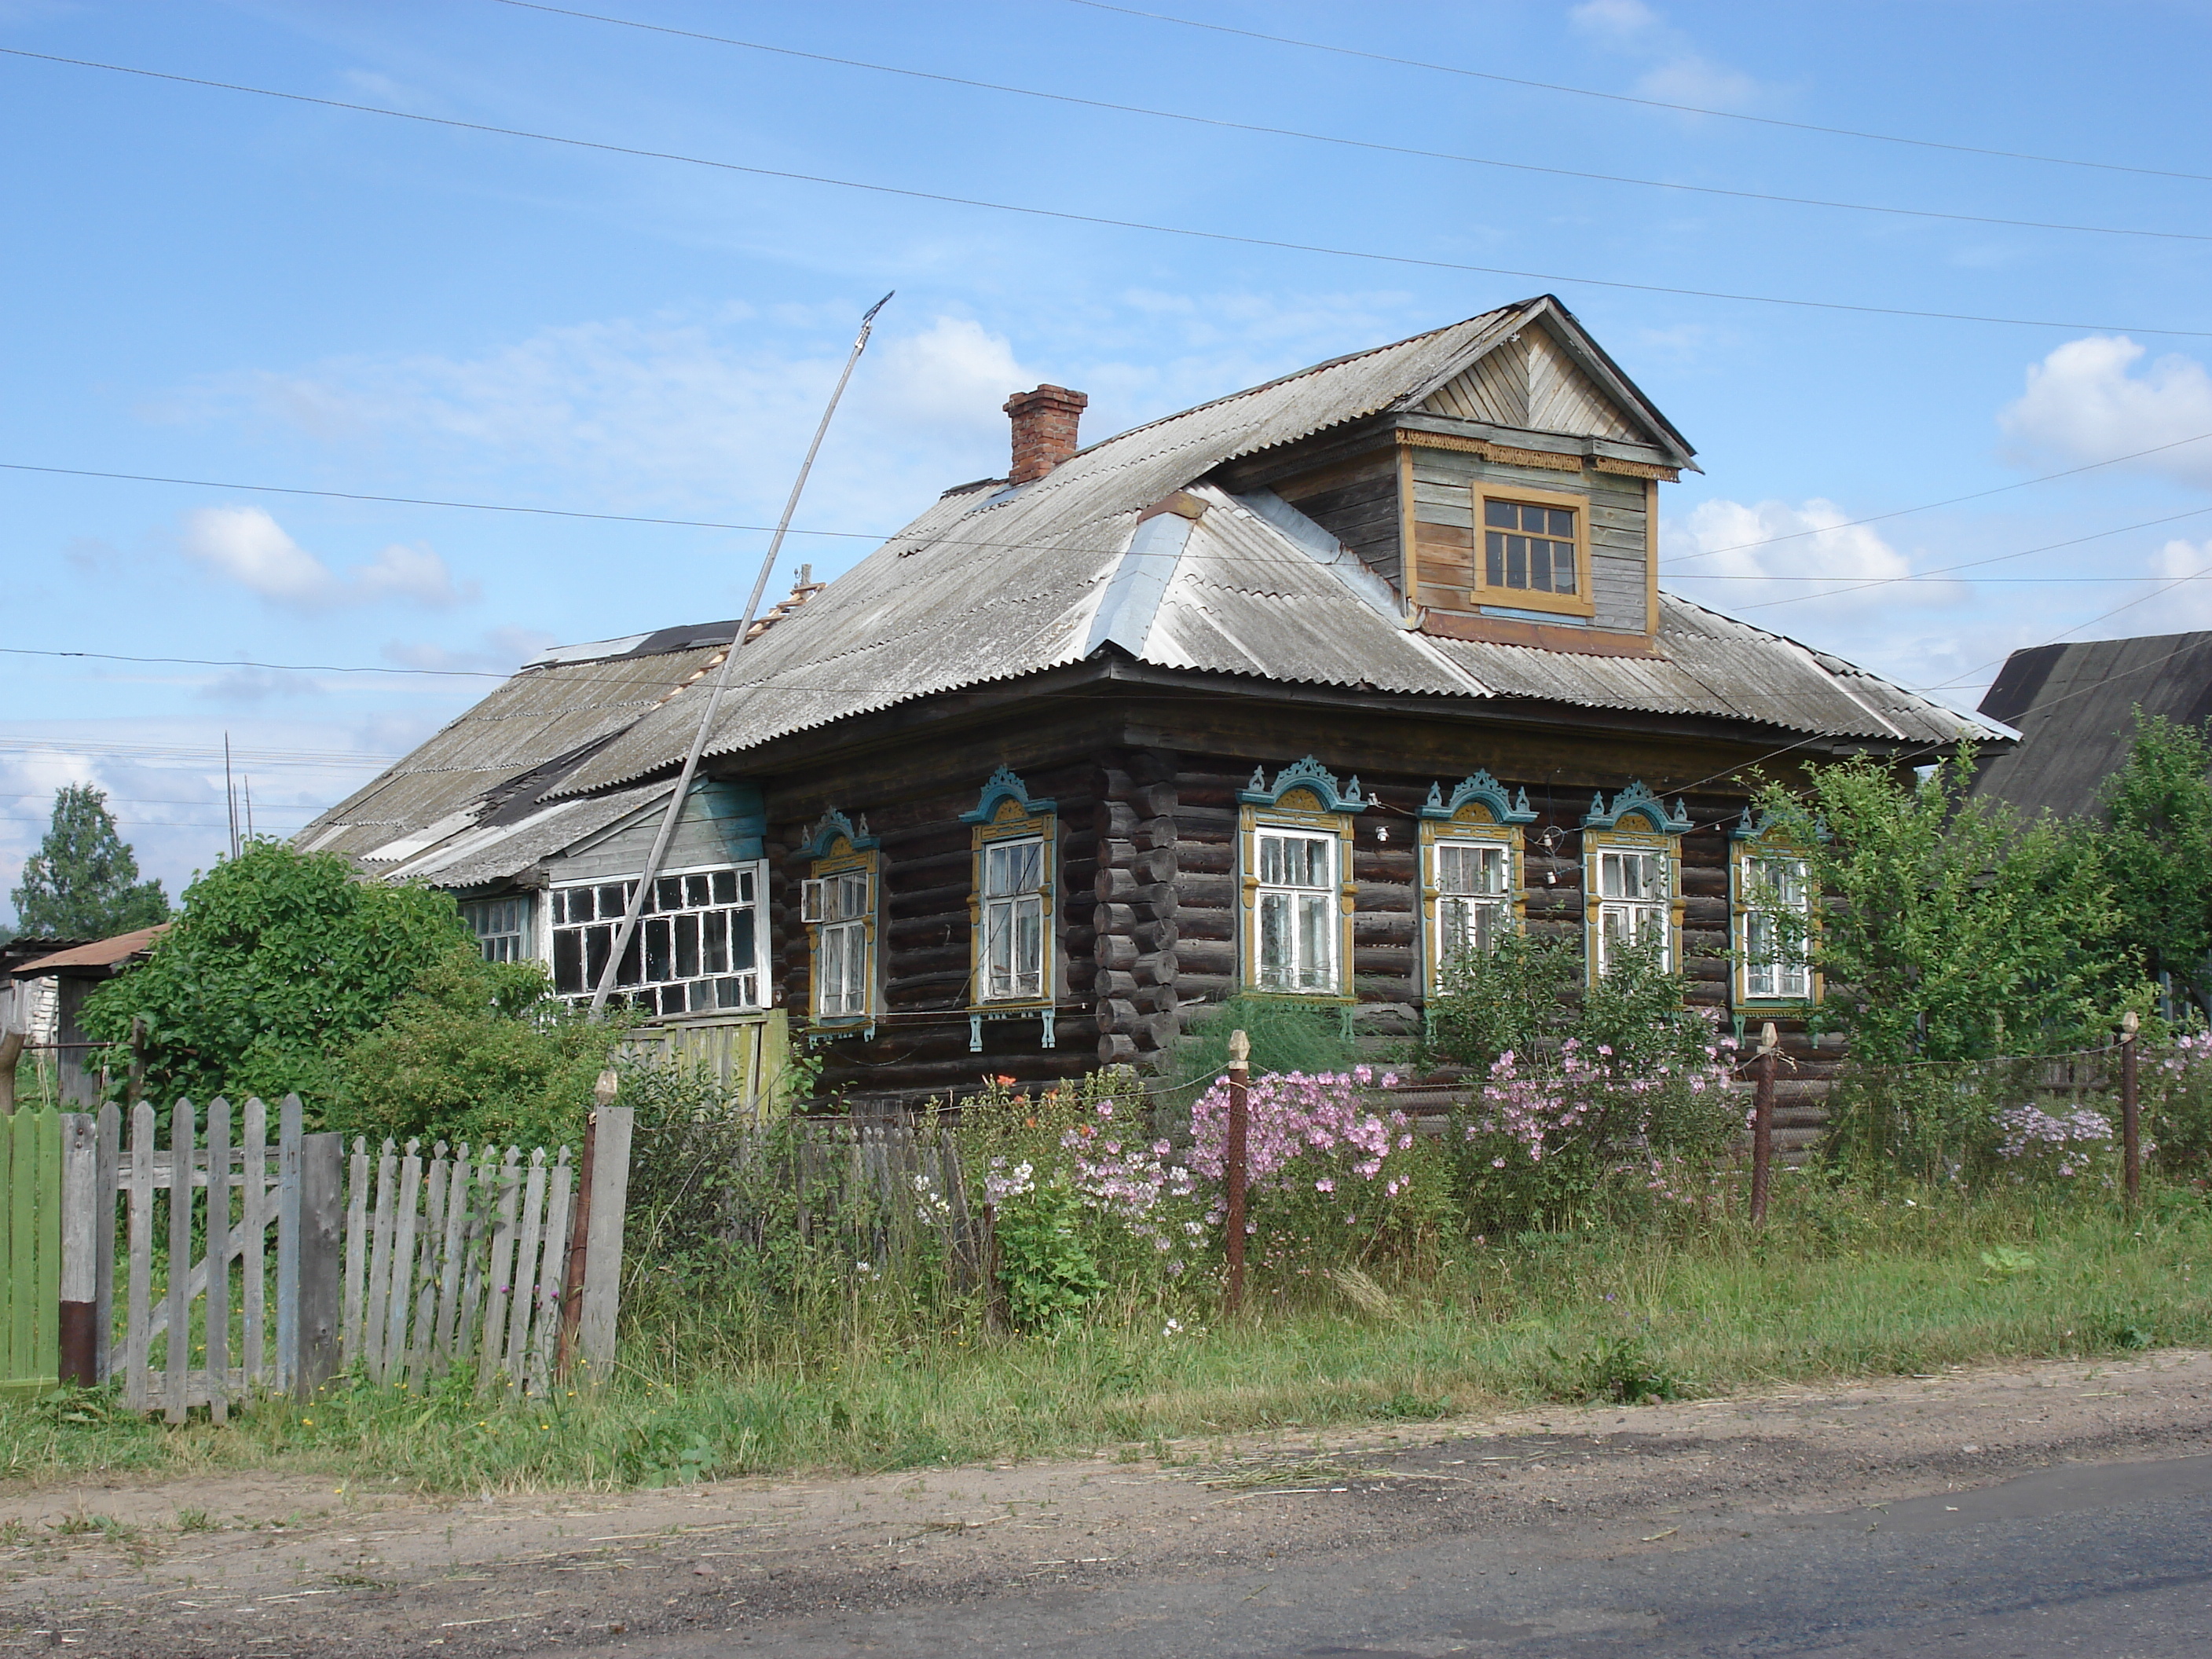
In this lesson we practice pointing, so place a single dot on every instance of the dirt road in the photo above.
(283, 1566)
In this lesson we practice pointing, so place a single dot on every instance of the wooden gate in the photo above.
(30, 1248)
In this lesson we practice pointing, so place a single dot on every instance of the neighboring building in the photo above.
(2075, 706)
(1297, 692)
(52, 986)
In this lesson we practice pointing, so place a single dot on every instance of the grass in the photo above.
(1840, 1285)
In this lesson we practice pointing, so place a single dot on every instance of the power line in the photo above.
(1647, 103)
(1929, 506)
(2000, 558)
(1224, 125)
(1066, 217)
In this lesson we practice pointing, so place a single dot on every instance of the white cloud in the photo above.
(246, 546)
(2182, 608)
(2095, 398)
(1682, 74)
(1739, 540)
(502, 651)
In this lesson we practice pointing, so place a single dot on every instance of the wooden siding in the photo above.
(1533, 384)
(1445, 532)
(1356, 502)
(721, 824)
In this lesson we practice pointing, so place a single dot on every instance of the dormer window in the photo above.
(1534, 551)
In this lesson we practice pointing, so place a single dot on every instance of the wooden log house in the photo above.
(1294, 693)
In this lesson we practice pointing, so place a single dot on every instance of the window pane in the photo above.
(714, 941)
(1563, 522)
(1275, 941)
(1516, 561)
(632, 957)
(1532, 518)
(1314, 953)
(1503, 514)
(724, 883)
(1455, 869)
(997, 950)
(1274, 861)
(568, 964)
(1317, 863)
(655, 929)
(698, 892)
(1493, 558)
(668, 892)
(1540, 566)
(1028, 947)
(1563, 568)
(572, 906)
(687, 947)
(614, 900)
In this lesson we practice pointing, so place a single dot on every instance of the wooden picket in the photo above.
(459, 1261)
(230, 1187)
(30, 1248)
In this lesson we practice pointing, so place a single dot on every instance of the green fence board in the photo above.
(30, 1248)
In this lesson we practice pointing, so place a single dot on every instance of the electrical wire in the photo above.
(1375, 146)
(1107, 221)
(1647, 103)
(1929, 506)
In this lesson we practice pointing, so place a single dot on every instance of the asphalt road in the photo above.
(2108, 1559)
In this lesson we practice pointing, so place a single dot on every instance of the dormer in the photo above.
(1511, 496)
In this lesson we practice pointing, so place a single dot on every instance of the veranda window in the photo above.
(1777, 918)
(1632, 904)
(502, 927)
(1013, 920)
(1297, 911)
(697, 944)
(1472, 899)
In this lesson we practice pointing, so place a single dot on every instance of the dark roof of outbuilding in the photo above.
(2074, 707)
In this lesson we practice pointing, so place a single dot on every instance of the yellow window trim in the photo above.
(1300, 808)
(1014, 818)
(1622, 839)
(1474, 822)
(839, 857)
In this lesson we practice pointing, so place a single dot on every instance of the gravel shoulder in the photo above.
(278, 1565)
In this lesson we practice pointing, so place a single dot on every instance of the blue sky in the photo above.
(203, 283)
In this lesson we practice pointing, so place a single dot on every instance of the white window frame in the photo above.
(1462, 917)
(1639, 916)
(841, 906)
(1015, 963)
(729, 990)
(1775, 970)
(1311, 907)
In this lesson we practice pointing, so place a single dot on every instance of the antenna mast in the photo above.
(668, 819)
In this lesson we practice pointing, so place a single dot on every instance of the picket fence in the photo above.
(408, 1277)
(30, 1248)
(463, 1259)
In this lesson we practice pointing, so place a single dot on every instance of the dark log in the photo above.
(1157, 935)
(1116, 1048)
(1115, 983)
(1117, 854)
(1114, 918)
(1203, 956)
(1157, 969)
(1212, 892)
(1115, 950)
(1116, 1014)
(1155, 768)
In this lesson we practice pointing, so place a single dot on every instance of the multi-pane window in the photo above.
(502, 927)
(1528, 547)
(838, 906)
(1472, 900)
(1297, 902)
(696, 946)
(1777, 917)
(1632, 904)
(1013, 919)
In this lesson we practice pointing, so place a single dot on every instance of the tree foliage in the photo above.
(280, 960)
(477, 1051)
(82, 882)
(2158, 852)
(1955, 929)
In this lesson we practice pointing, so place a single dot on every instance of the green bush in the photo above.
(280, 960)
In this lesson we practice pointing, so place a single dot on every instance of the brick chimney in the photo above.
(1044, 429)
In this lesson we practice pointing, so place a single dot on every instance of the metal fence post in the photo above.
(1762, 1126)
(2130, 1107)
(1232, 1163)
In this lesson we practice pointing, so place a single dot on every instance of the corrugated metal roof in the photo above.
(2074, 706)
(992, 584)
(544, 715)
(101, 953)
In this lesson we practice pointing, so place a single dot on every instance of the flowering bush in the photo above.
(2068, 1147)
(1328, 1176)
(1539, 1143)
(2178, 1106)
